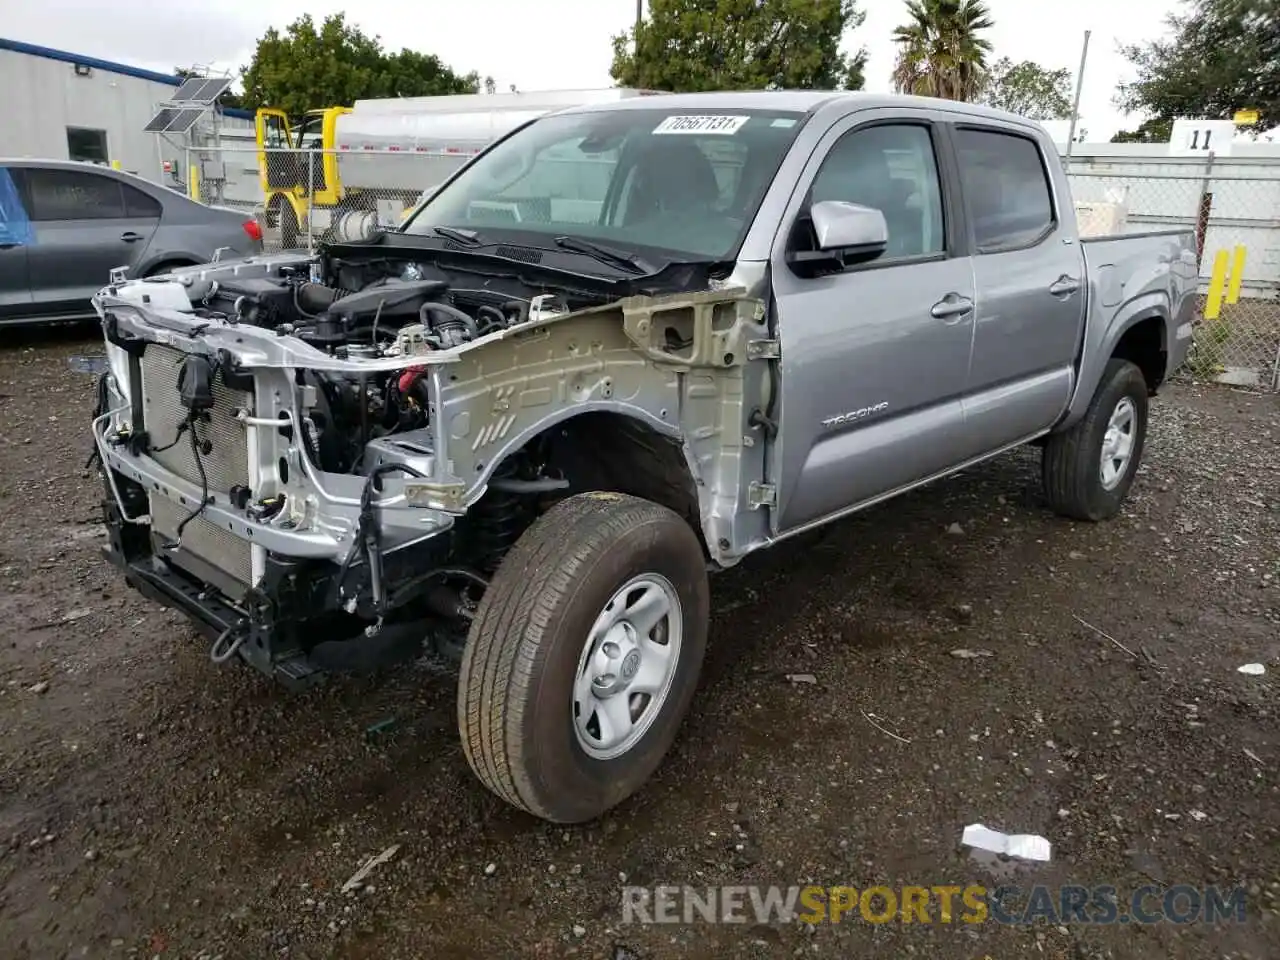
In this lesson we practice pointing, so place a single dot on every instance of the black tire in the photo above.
(289, 230)
(1072, 460)
(515, 693)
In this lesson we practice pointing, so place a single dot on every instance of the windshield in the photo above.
(679, 181)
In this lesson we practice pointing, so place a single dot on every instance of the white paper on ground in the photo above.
(1252, 669)
(1025, 846)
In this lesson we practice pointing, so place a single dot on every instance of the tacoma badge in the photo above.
(860, 414)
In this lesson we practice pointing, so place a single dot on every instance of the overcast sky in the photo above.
(548, 44)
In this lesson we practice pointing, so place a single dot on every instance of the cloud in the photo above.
(159, 36)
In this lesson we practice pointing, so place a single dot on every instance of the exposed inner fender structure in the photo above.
(609, 451)
(649, 395)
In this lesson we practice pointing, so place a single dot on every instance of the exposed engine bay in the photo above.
(369, 310)
(384, 308)
(303, 450)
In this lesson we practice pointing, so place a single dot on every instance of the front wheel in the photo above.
(584, 656)
(1089, 468)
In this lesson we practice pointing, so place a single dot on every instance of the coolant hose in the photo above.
(453, 313)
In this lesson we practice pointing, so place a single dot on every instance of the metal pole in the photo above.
(639, 14)
(311, 199)
(1204, 208)
(1075, 107)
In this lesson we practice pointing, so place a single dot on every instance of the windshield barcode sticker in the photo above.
(727, 125)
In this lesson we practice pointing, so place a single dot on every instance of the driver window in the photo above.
(273, 134)
(891, 168)
(562, 183)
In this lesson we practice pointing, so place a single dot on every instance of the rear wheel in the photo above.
(584, 656)
(288, 227)
(1088, 469)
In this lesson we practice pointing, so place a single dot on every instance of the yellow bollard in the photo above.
(1237, 274)
(193, 182)
(1217, 282)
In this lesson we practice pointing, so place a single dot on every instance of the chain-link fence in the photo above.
(1233, 206)
(304, 197)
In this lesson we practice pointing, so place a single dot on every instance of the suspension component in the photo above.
(514, 499)
(500, 519)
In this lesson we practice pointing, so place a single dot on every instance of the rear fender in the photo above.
(1100, 344)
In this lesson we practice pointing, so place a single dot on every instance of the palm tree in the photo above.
(940, 51)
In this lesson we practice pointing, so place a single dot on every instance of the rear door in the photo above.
(15, 237)
(1029, 273)
(875, 356)
(84, 229)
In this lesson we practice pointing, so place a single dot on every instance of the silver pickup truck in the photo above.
(629, 344)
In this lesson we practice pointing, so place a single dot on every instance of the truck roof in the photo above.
(800, 101)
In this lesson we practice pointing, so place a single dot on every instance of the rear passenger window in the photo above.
(891, 168)
(73, 195)
(139, 206)
(1007, 188)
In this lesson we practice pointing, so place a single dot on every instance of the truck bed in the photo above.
(1126, 267)
(1133, 276)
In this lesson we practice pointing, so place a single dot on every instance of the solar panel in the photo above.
(187, 90)
(183, 120)
(161, 120)
(212, 89)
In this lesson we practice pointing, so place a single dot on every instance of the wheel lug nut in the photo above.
(612, 650)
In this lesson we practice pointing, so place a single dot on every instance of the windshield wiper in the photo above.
(607, 255)
(466, 237)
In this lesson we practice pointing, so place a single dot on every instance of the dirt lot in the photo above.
(152, 804)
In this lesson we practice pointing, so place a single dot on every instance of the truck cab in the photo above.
(297, 167)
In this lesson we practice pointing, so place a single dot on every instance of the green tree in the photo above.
(941, 52)
(693, 45)
(309, 67)
(1028, 89)
(1149, 131)
(1220, 56)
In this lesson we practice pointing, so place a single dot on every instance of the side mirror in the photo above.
(850, 229)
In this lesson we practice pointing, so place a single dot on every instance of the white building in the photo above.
(65, 106)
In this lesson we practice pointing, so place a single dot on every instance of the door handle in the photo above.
(951, 306)
(130, 237)
(1064, 286)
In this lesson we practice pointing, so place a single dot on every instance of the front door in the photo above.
(83, 229)
(875, 357)
(277, 166)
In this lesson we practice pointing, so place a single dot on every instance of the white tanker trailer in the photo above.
(379, 157)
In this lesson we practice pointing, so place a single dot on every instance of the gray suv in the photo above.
(64, 225)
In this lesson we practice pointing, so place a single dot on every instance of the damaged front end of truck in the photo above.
(322, 459)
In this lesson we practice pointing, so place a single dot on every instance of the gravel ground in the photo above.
(154, 805)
